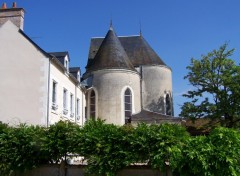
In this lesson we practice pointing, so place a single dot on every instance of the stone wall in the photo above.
(78, 170)
(109, 86)
(156, 84)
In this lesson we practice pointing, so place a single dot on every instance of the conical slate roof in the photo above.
(137, 48)
(110, 55)
(140, 52)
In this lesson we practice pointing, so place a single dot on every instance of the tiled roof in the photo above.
(138, 51)
(153, 117)
(110, 55)
(74, 69)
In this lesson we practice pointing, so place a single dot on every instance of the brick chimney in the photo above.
(14, 14)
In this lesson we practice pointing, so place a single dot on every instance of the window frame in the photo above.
(128, 102)
(78, 108)
(92, 103)
(71, 105)
(65, 99)
(168, 109)
(54, 95)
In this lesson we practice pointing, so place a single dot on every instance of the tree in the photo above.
(215, 154)
(61, 139)
(215, 78)
(21, 148)
(105, 147)
(160, 146)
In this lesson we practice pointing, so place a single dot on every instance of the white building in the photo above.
(125, 80)
(36, 87)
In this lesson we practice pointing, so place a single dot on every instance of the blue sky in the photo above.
(176, 30)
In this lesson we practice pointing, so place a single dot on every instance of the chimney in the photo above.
(14, 5)
(14, 14)
(4, 5)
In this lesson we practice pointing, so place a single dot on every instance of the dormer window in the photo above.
(66, 64)
(78, 76)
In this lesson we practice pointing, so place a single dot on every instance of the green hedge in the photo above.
(109, 148)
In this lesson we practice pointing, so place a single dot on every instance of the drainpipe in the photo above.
(83, 108)
(75, 103)
(49, 66)
(141, 89)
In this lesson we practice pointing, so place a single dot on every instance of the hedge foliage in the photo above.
(109, 148)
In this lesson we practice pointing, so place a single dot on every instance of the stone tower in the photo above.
(127, 80)
(110, 74)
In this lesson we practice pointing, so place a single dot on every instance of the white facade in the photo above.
(32, 83)
(109, 87)
(23, 75)
(68, 106)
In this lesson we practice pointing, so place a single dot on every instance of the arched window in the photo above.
(168, 105)
(128, 105)
(92, 105)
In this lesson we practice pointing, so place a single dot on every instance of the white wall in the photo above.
(64, 81)
(23, 79)
(109, 86)
(157, 82)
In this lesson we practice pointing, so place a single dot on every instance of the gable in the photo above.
(15, 39)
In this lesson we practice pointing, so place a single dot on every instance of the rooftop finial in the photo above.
(140, 25)
(4, 5)
(111, 27)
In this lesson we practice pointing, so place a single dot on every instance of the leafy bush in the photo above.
(109, 148)
(60, 139)
(106, 147)
(216, 154)
(21, 148)
(225, 156)
(159, 145)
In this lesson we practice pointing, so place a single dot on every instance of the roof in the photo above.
(138, 50)
(200, 126)
(110, 55)
(60, 55)
(153, 117)
(74, 69)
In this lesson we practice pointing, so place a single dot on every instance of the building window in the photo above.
(54, 96)
(78, 76)
(92, 105)
(65, 110)
(168, 105)
(66, 64)
(78, 109)
(128, 105)
(71, 105)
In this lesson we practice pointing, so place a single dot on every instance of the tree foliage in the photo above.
(60, 140)
(108, 148)
(159, 145)
(21, 148)
(216, 154)
(105, 147)
(215, 78)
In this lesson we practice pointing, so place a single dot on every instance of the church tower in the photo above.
(114, 83)
(127, 81)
